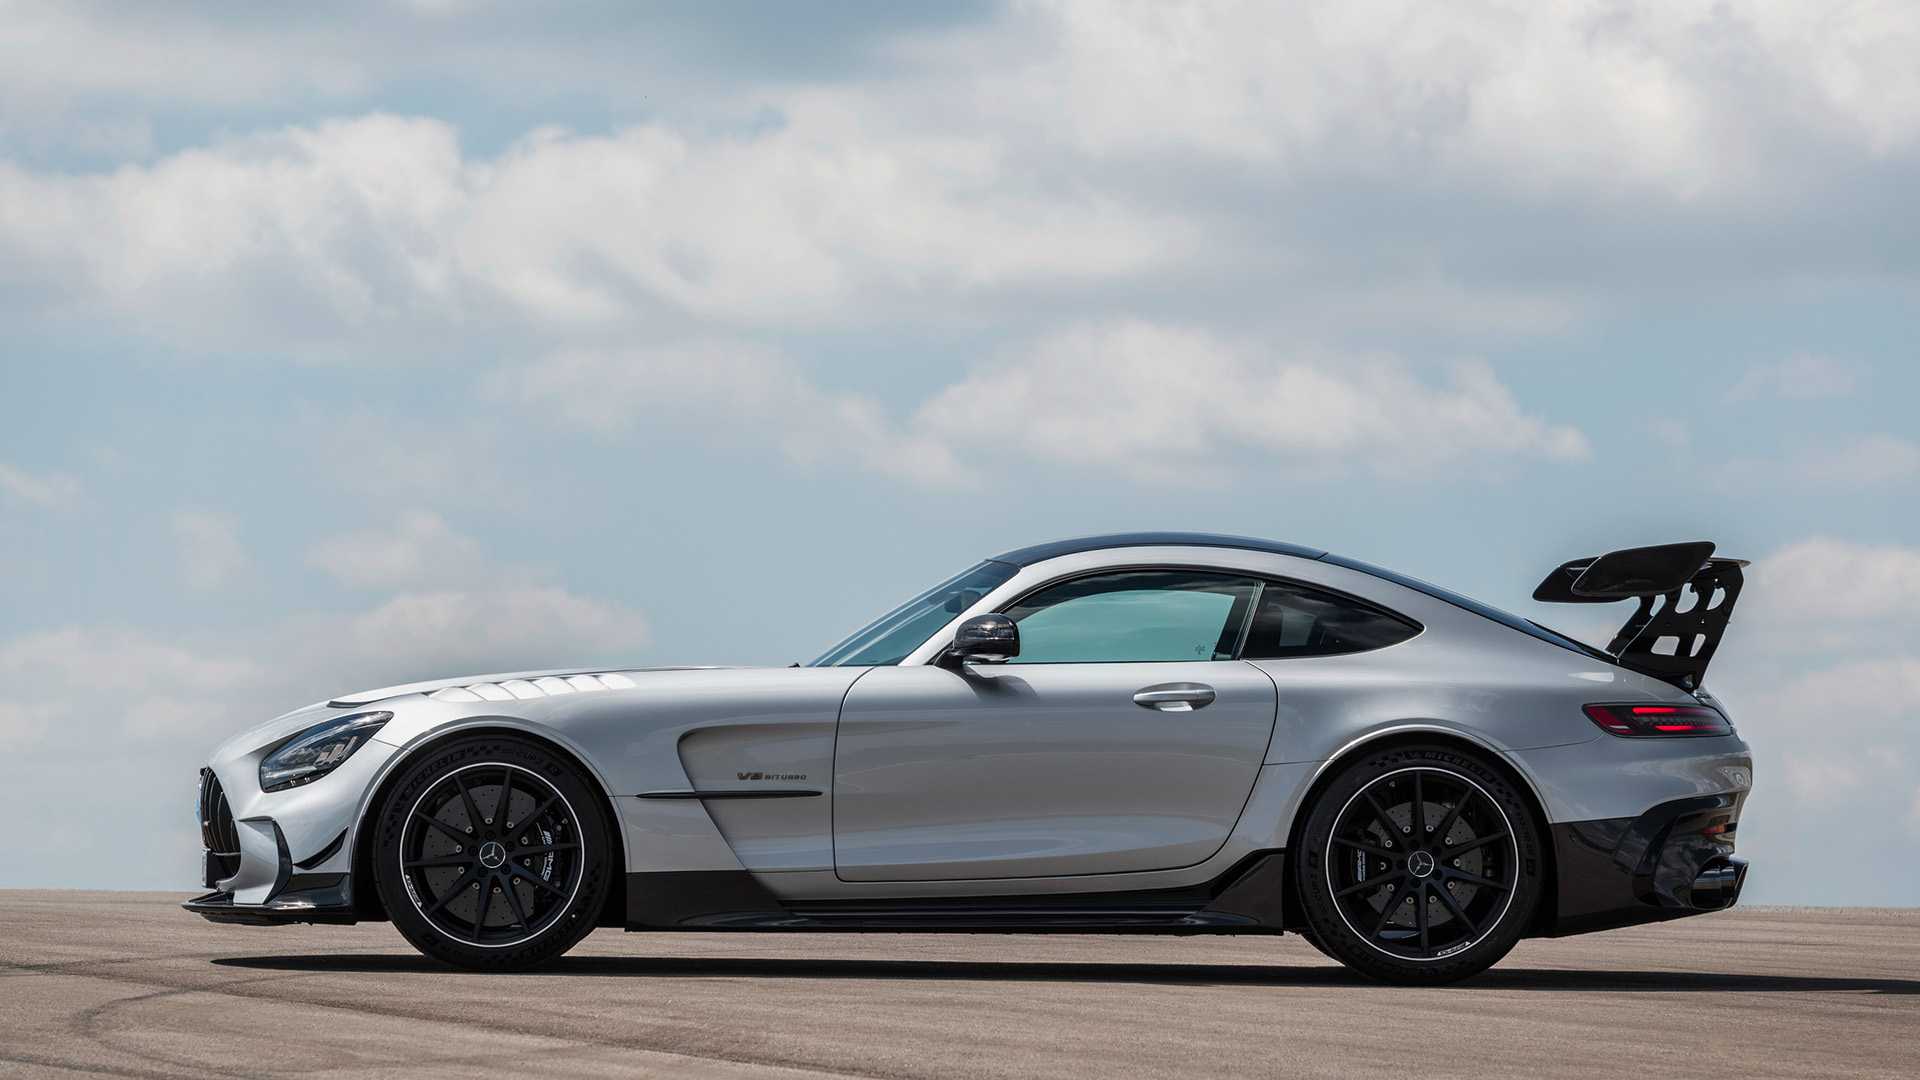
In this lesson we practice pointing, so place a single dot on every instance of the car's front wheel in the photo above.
(491, 853)
(1419, 865)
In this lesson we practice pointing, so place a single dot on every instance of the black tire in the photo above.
(1419, 909)
(1306, 934)
(488, 894)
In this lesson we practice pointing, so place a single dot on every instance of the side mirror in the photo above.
(983, 639)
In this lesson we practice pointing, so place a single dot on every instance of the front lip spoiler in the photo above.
(308, 898)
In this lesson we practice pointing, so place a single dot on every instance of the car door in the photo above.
(1124, 737)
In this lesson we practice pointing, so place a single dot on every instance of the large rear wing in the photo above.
(1686, 597)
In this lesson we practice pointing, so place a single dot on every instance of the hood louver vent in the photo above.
(528, 689)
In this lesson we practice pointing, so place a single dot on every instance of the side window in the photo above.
(1134, 615)
(1293, 620)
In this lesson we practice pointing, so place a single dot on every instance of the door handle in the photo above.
(1175, 697)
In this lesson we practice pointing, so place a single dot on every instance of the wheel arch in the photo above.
(1428, 735)
(366, 899)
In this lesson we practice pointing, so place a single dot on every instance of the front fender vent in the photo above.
(528, 689)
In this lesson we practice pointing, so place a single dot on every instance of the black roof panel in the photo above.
(1027, 556)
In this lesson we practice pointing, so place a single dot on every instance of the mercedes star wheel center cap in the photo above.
(1419, 864)
(492, 854)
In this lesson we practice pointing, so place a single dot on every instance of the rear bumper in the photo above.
(1672, 861)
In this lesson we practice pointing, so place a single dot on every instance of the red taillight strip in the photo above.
(1654, 721)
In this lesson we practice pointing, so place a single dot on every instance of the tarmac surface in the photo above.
(126, 984)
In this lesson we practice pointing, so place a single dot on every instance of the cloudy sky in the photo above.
(342, 348)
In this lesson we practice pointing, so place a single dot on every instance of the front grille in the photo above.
(217, 832)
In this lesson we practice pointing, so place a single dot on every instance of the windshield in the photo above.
(888, 639)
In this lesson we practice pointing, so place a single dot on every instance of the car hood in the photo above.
(368, 697)
(262, 735)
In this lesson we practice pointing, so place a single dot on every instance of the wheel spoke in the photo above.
(1469, 845)
(486, 905)
(453, 890)
(1420, 912)
(543, 849)
(513, 901)
(1380, 812)
(466, 797)
(536, 880)
(444, 827)
(501, 804)
(1446, 826)
(543, 808)
(1419, 807)
(1371, 849)
(1446, 898)
(1474, 879)
(1392, 905)
(450, 860)
(1375, 883)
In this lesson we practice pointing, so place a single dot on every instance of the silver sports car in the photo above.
(1162, 733)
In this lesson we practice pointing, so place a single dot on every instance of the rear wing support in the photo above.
(1685, 595)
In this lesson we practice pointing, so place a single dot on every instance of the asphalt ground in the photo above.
(126, 984)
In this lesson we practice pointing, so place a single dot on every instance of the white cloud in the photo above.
(211, 554)
(1865, 462)
(1161, 403)
(117, 662)
(740, 393)
(418, 549)
(1540, 96)
(1833, 739)
(380, 223)
(1801, 377)
(1681, 97)
(53, 490)
(1669, 432)
(1055, 150)
(1150, 402)
(1827, 579)
(1849, 463)
(24, 726)
(427, 634)
(135, 711)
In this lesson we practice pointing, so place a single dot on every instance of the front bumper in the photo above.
(306, 898)
(285, 856)
(253, 877)
(1672, 861)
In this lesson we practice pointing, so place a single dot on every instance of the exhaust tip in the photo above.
(1718, 884)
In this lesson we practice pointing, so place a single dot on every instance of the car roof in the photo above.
(1027, 556)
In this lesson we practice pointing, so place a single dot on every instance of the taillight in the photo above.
(1656, 721)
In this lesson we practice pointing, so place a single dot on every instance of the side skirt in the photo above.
(1247, 899)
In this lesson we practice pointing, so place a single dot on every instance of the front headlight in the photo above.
(318, 750)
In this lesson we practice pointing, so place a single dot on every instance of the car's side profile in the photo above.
(1145, 733)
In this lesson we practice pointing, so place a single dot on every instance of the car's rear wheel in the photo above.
(491, 853)
(1419, 865)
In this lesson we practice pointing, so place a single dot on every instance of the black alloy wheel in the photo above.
(492, 854)
(1413, 886)
(492, 876)
(1424, 866)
